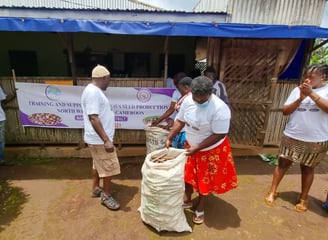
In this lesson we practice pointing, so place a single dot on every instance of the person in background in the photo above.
(184, 87)
(99, 130)
(195, 73)
(5, 99)
(305, 139)
(175, 97)
(209, 166)
(170, 82)
(218, 86)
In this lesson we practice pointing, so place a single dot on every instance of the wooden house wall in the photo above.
(276, 120)
(244, 126)
(249, 69)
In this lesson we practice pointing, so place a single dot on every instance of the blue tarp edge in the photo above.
(162, 28)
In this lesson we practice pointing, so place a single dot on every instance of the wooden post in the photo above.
(166, 59)
(67, 38)
(268, 108)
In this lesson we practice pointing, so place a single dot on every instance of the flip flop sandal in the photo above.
(199, 217)
(302, 206)
(270, 198)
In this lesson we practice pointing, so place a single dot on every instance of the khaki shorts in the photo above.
(105, 163)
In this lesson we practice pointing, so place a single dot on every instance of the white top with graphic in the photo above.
(308, 122)
(200, 123)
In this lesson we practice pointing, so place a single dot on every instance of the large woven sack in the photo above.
(155, 138)
(162, 190)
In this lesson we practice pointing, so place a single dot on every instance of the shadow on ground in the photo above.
(77, 168)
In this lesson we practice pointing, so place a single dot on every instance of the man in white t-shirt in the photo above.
(99, 129)
(6, 98)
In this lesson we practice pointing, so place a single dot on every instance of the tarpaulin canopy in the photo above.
(28, 24)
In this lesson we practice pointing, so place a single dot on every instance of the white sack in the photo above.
(155, 138)
(162, 191)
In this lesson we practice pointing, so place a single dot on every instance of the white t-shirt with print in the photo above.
(308, 122)
(94, 101)
(2, 112)
(200, 123)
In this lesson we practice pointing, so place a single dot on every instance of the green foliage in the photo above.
(272, 159)
(11, 201)
(320, 55)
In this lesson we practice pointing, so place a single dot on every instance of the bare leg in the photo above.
(106, 187)
(106, 198)
(279, 173)
(95, 179)
(188, 193)
(200, 204)
(307, 180)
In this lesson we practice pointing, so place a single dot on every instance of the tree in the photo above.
(320, 53)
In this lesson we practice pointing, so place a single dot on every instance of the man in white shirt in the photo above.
(99, 129)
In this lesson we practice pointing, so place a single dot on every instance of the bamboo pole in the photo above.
(14, 79)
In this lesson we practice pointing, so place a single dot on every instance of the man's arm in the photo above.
(98, 127)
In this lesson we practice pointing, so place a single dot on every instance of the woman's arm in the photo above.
(209, 141)
(177, 127)
(290, 108)
(165, 115)
(321, 102)
(306, 90)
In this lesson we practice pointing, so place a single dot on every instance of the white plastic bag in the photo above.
(155, 138)
(162, 190)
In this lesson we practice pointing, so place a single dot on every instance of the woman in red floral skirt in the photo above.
(210, 166)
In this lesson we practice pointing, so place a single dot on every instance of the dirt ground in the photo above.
(59, 206)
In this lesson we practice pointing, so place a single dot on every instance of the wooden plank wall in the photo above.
(18, 135)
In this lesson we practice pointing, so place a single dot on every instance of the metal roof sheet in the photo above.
(211, 6)
(288, 12)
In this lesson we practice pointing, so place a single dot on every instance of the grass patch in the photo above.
(11, 201)
(272, 159)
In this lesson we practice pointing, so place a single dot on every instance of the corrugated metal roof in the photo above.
(77, 4)
(211, 6)
(218, 6)
(287, 12)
